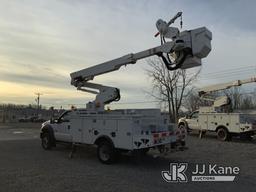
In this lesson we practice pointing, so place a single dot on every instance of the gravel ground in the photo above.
(25, 166)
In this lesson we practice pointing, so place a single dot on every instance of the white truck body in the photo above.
(127, 129)
(234, 123)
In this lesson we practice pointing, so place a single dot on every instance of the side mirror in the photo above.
(52, 120)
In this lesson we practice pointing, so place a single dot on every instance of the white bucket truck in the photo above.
(114, 131)
(218, 117)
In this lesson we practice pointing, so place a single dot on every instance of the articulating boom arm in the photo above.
(187, 49)
(105, 95)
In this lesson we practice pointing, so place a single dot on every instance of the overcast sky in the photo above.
(43, 41)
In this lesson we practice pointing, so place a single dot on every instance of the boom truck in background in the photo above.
(138, 130)
(219, 117)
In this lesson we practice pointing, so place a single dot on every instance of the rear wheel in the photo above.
(106, 152)
(161, 148)
(223, 134)
(46, 141)
(145, 151)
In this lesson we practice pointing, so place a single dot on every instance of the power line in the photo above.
(228, 73)
(233, 69)
(225, 75)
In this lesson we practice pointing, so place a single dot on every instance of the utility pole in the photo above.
(38, 102)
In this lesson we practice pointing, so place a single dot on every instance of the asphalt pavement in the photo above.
(25, 166)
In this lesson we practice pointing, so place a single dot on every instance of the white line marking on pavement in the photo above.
(17, 132)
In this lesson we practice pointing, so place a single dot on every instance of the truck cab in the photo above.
(193, 120)
(61, 126)
(190, 121)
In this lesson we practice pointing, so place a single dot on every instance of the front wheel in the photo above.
(184, 127)
(106, 153)
(46, 141)
(223, 134)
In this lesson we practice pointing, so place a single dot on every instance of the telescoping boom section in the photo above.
(218, 87)
(220, 101)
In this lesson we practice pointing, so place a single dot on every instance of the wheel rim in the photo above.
(45, 141)
(222, 134)
(104, 153)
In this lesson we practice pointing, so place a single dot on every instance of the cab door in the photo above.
(62, 127)
(193, 121)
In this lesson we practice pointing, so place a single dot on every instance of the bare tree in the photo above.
(235, 95)
(192, 101)
(240, 99)
(247, 102)
(170, 87)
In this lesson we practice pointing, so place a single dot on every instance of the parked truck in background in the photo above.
(219, 117)
(225, 125)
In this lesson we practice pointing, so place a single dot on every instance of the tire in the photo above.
(46, 141)
(106, 152)
(161, 148)
(223, 134)
(182, 126)
(144, 151)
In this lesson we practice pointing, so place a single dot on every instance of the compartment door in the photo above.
(76, 130)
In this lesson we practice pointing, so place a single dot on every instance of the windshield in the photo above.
(64, 115)
(194, 115)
